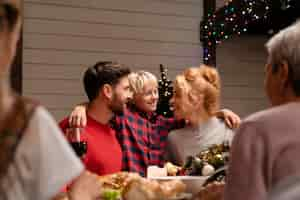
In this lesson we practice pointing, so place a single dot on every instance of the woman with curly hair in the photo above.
(196, 99)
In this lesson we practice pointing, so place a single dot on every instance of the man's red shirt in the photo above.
(104, 155)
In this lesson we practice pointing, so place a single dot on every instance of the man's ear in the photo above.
(107, 91)
(284, 74)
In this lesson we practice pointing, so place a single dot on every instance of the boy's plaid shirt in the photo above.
(143, 138)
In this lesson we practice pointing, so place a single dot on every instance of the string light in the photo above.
(165, 93)
(235, 21)
(285, 4)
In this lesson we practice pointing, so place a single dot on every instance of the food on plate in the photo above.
(111, 194)
(146, 189)
(207, 162)
(207, 170)
(113, 185)
(210, 163)
(118, 181)
(131, 186)
(172, 170)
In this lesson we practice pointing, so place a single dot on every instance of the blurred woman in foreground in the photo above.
(35, 159)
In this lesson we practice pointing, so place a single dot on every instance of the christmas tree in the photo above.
(165, 89)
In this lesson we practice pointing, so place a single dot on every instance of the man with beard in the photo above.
(107, 87)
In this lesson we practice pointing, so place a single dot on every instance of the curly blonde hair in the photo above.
(203, 80)
(137, 80)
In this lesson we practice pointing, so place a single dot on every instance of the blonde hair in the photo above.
(204, 80)
(138, 79)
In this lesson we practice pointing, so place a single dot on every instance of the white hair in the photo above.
(138, 79)
(285, 46)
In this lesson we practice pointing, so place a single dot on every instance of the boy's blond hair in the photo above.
(137, 80)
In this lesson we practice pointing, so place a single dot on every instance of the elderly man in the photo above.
(266, 146)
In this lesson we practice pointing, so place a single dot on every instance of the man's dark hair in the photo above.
(9, 15)
(102, 73)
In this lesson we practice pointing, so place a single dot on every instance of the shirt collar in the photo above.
(149, 116)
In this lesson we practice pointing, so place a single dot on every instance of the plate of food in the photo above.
(170, 173)
(131, 186)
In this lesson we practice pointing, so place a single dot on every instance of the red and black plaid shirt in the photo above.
(143, 138)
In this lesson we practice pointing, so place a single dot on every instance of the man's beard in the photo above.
(116, 105)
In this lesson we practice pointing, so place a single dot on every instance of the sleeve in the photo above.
(171, 154)
(172, 124)
(57, 163)
(168, 155)
(64, 124)
(285, 162)
(246, 175)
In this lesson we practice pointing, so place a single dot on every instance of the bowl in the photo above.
(193, 183)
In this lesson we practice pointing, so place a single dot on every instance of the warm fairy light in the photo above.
(235, 21)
